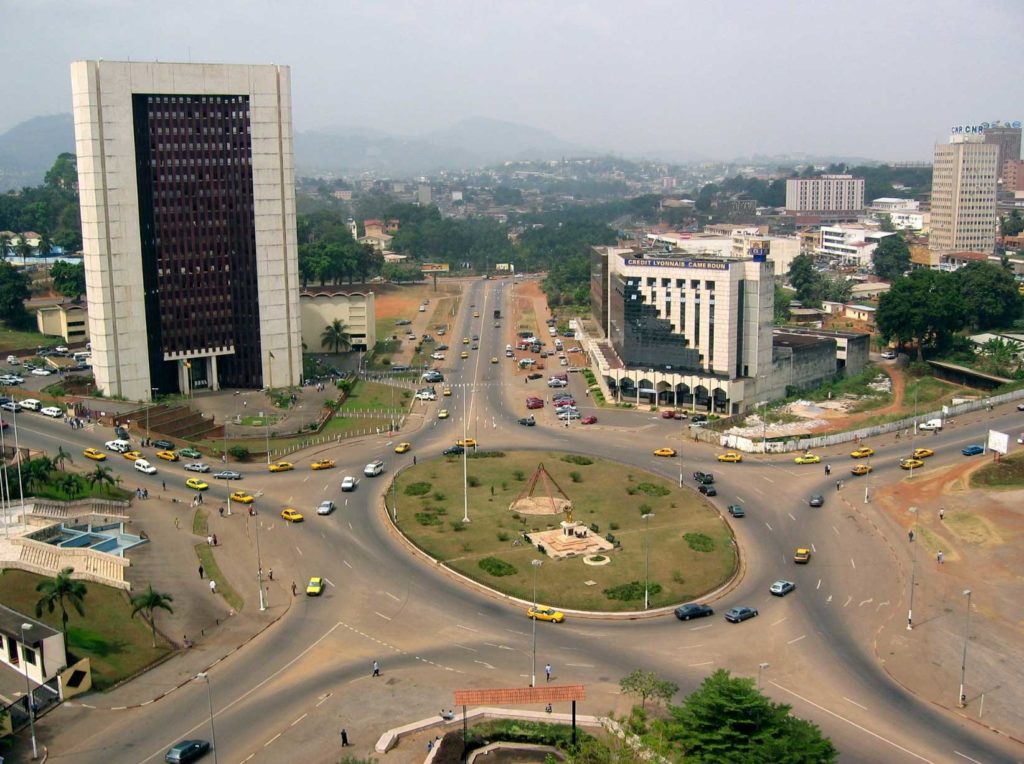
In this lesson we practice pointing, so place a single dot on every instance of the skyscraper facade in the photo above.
(827, 193)
(964, 196)
(1008, 140)
(186, 179)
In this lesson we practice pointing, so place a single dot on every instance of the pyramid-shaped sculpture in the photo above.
(528, 502)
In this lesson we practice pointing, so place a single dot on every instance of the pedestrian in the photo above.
(828, 469)
(942, 513)
(294, 589)
(202, 571)
(344, 738)
(145, 493)
(209, 540)
(547, 671)
(910, 535)
(177, 523)
(271, 574)
(413, 461)
(939, 557)
(213, 586)
(220, 510)
(430, 746)
(839, 484)
(164, 484)
(215, 539)
(548, 708)
(376, 669)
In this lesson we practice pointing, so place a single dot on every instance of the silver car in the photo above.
(326, 507)
(197, 467)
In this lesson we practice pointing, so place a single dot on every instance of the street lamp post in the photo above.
(266, 423)
(533, 674)
(209, 697)
(647, 561)
(259, 564)
(17, 455)
(5, 489)
(760, 667)
(913, 572)
(963, 663)
(465, 459)
(25, 627)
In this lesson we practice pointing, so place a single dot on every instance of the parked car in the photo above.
(189, 453)
(706, 478)
(52, 411)
(166, 445)
(739, 614)
(453, 451)
(693, 610)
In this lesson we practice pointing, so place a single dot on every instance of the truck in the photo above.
(931, 424)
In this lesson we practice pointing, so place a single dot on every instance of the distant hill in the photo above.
(29, 149)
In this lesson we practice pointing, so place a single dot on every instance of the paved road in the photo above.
(286, 694)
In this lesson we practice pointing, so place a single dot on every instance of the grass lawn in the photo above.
(116, 644)
(367, 395)
(431, 518)
(1008, 472)
(205, 554)
(258, 421)
(12, 339)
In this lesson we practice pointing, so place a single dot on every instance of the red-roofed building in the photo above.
(954, 261)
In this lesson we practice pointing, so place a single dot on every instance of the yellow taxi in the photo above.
(442, 414)
(401, 448)
(911, 464)
(545, 613)
(242, 497)
(730, 456)
(466, 442)
(802, 556)
(447, 392)
(291, 515)
(861, 469)
(281, 466)
(862, 452)
(132, 455)
(494, 359)
(476, 314)
(465, 340)
(665, 452)
(923, 453)
(322, 464)
(94, 454)
(464, 354)
(807, 458)
(196, 484)
(167, 456)
(315, 587)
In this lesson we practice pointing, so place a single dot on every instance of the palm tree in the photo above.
(61, 457)
(101, 475)
(45, 244)
(70, 484)
(37, 470)
(5, 245)
(1001, 355)
(23, 248)
(335, 336)
(149, 601)
(61, 590)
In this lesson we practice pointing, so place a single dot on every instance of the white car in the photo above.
(52, 411)
(197, 467)
(556, 382)
(426, 395)
(120, 446)
(143, 466)
(42, 372)
(437, 356)
(373, 468)
(12, 406)
(348, 483)
(61, 348)
(31, 404)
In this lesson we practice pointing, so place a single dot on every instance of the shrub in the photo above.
(486, 454)
(678, 577)
(652, 489)
(427, 518)
(631, 490)
(438, 496)
(457, 525)
(472, 481)
(239, 452)
(699, 542)
(497, 567)
(577, 459)
(519, 475)
(645, 509)
(576, 477)
(634, 590)
(417, 489)
(503, 536)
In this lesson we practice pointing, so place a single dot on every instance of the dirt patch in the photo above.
(401, 300)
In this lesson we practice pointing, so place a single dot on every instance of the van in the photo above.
(119, 446)
(31, 404)
(931, 424)
(13, 360)
(82, 357)
(373, 468)
(143, 466)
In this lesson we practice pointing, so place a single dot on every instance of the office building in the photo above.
(355, 309)
(852, 245)
(963, 214)
(1007, 139)
(825, 194)
(186, 178)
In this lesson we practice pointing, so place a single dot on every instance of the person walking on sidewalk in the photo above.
(547, 671)
(376, 669)
(213, 586)
(344, 738)
(942, 513)
(202, 570)
(939, 557)
(294, 589)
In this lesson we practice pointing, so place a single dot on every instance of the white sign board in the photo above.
(998, 441)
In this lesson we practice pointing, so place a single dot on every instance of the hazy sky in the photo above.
(876, 78)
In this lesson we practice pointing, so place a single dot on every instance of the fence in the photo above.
(751, 445)
(319, 440)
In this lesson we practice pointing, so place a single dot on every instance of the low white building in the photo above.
(893, 204)
(854, 245)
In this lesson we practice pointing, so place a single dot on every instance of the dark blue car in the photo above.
(973, 450)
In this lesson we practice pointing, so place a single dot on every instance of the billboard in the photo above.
(998, 442)
(434, 267)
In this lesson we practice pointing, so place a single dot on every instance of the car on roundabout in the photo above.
(242, 497)
(227, 475)
(782, 588)
(442, 414)
(862, 452)
(167, 456)
(196, 484)
(291, 515)
(807, 458)
(693, 610)
(861, 469)
(737, 511)
(802, 555)
(972, 450)
(189, 453)
(704, 477)
(923, 453)
(453, 451)
(446, 392)
(95, 454)
(132, 455)
(322, 464)
(466, 442)
(589, 420)
(730, 456)
(911, 464)
(197, 467)
(186, 751)
(665, 452)
(326, 507)
(740, 614)
(281, 467)
(464, 354)
(401, 448)
(315, 587)
(707, 490)
(494, 359)
(527, 421)
(348, 483)
(816, 500)
(545, 613)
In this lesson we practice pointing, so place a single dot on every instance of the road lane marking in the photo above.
(853, 564)
(690, 647)
(851, 723)
(466, 628)
(855, 703)
(329, 581)
(471, 649)
(791, 516)
(520, 633)
(866, 602)
(580, 665)
(768, 526)
(699, 628)
(740, 499)
(768, 480)
(305, 478)
(849, 599)
(835, 530)
(381, 615)
(392, 596)
(298, 720)
(797, 639)
(776, 623)
(965, 756)
(299, 551)
(819, 584)
(272, 739)
(347, 564)
(694, 665)
(829, 598)
(324, 699)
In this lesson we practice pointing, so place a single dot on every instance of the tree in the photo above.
(924, 306)
(61, 590)
(5, 245)
(149, 601)
(885, 220)
(64, 173)
(70, 484)
(24, 249)
(1000, 356)
(782, 299)
(891, 258)
(1012, 224)
(100, 476)
(401, 272)
(13, 293)
(647, 684)
(805, 280)
(61, 457)
(69, 279)
(990, 295)
(727, 720)
(336, 337)
(835, 289)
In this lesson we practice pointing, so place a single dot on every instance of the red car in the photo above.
(589, 420)
(564, 402)
(534, 404)
(668, 414)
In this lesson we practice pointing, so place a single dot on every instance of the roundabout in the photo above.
(608, 533)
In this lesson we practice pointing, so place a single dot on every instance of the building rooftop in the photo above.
(786, 338)
(979, 256)
(11, 621)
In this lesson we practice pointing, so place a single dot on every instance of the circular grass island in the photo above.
(691, 548)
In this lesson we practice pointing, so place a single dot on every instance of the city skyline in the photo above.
(652, 79)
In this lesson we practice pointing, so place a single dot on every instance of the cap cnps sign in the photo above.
(981, 127)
